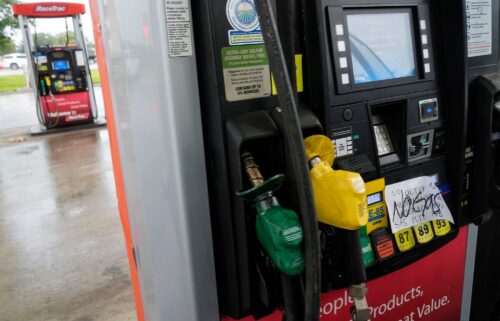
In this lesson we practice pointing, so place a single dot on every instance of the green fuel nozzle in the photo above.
(278, 229)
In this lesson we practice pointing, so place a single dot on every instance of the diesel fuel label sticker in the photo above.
(179, 31)
(415, 201)
(242, 16)
(478, 23)
(246, 72)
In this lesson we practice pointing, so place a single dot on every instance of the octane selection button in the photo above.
(382, 241)
(424, 232)
(405, 239)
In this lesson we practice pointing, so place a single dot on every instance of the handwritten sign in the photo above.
(415, 201)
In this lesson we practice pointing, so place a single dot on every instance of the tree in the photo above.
(7, 24)
(58, 39)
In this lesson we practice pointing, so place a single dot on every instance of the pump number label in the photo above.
(246, 72)
(441, 227)
(424, 232)
(405, 240)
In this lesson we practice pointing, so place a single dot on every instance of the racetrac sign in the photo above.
(51, 9)
(48, 9)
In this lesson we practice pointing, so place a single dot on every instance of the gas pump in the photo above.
(60, 76)
(481, 182)
(378, 80)
(333, 135)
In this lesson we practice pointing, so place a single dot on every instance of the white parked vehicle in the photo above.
(14, 61)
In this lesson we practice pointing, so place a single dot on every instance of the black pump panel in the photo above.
(63, 67)
(390, 118)
(392, 91)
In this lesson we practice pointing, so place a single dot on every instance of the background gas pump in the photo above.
(60, 75)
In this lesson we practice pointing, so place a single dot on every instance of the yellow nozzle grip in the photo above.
(340, 197)
(320, 146)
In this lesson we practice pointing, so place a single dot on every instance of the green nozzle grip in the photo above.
(280, 234)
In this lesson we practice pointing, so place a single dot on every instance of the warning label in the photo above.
(179, 28)
(479, 33)
(179, 39)
(246, 72)
(177, 10)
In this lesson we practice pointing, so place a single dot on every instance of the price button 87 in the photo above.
(405, 239)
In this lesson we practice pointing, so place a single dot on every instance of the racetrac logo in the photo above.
(53, 8)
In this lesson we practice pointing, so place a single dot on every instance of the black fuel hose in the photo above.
(287, 28)
(353, 260)
(294, 142)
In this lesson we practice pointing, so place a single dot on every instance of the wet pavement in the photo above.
(61, 242)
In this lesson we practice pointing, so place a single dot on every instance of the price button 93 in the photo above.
(441, 227)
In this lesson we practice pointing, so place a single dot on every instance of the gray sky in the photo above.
(56, 25)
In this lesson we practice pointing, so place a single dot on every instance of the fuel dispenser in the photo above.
(333, 136)
(60, 75)
(481, 183)
(383, 80)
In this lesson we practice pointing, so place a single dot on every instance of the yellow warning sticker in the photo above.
(377, 211)
(377, 217)
(424, 232)
(405, 239)
(441, 227)
(298, 75)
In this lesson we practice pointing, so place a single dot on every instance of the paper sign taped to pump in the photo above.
(415, 201)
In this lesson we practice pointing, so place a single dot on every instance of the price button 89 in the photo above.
(424, 232)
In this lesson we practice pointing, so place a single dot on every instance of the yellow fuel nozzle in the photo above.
(340, 196)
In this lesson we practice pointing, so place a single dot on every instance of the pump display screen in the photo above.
(382, 46)
(60, 65)
(374, 198)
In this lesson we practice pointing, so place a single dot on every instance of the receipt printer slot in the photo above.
(420, 145)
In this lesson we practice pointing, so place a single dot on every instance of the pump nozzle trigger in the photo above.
(42, 87)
